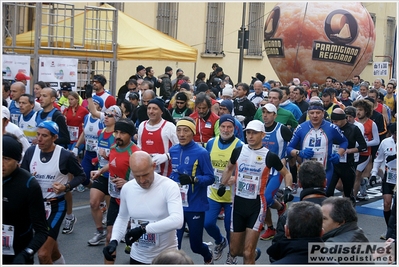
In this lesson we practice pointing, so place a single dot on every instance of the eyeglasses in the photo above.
(180, 103)
(109, 115)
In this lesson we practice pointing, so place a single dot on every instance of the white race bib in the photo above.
(184, 194)
(73, 133)
(247, 186)
(391, 175)
(8, 239)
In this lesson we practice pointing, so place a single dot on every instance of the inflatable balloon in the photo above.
(314, 40)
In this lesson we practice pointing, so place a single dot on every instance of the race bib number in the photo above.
(247, 186)
(8, 239)
(391, 176)
(184, 194)
(91, 144)
(218, 179)
(73, 133)
(147, 240)
(320, 156)
(112, 189)
(342, 158)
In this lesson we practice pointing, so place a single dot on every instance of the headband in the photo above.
(337, 117)
(187, 123)
(316, 107)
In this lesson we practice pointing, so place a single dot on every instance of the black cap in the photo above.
(350, 111)
(66, 87)
(167, 69)
(350, 83)
(139, 68)
(185, 86)
(134, 95)
(181, 96)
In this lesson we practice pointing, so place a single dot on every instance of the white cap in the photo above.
(296, 81)
(256, 125)
(227, 91)
(5, 113)
(270, 107)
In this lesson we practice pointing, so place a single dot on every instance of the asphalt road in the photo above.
(76, 251)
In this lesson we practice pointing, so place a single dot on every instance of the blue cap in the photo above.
(49, 125)
(227, 117)
(98, 100)
(267, 85)
(228, 104)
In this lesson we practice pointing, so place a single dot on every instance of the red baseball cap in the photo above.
(21, 77)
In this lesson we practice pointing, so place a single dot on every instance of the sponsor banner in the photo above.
(13, 64)
(56, 71)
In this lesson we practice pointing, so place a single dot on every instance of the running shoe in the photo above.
(211, 261)
(268, 234)
(257, 253)
(231, 260)
(218, 250)
(69, 225)
(81, 188)
(98, 238)
(383, 236)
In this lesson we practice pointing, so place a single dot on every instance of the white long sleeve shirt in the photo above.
(160, 205)
(387, 148)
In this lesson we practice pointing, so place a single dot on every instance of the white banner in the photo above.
(58, 70)
(380, 68)
(13, 64)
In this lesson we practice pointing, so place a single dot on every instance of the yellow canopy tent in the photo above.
(135, 40)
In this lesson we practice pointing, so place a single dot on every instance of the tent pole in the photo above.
(115, 52)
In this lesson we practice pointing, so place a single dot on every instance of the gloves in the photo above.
(23, 258)
(186, 179)
(75, 151)
(306, 153)
(159, 158)
(108, 250)
(133, 235)
(221, 190)
(334, 158)
(373, 180)
(288, 195)
(88, 90)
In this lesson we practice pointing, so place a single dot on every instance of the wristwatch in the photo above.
(67, 187)
(29, 251)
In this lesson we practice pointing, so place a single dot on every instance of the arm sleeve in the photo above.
(175, 210)
(235, 154)
(27, 158)
(380, 158)
(273, 161)
(70, 164)
(37, 215)
(122, 220)
(206, 176)
(296, 137)
(286, 133)
(376, 137)
(63, 137)
(362, 145)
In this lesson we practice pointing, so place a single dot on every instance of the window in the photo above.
(255, 27)
(214, 28)
(390, 39)
(167, 18)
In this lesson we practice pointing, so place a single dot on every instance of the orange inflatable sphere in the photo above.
(313, 40)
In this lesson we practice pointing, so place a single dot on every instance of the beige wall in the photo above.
(192, 31)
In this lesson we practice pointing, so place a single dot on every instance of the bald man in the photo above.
(155, 220)
(17, 89)
(345, 168)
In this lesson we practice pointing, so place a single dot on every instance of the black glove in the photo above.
(186, 179)
(108, 250)
(133, 235)
(88, 90)
(287, 195)
(373, 180)
(23, 258)
(221, 190)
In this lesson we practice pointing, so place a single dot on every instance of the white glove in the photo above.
(75, 151)
(160, 158)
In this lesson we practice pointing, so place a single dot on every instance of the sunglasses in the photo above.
(109, 115)
(180, 103)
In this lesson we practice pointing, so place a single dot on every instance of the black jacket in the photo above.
(23, 208)
(292, 251)
(348, 232)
